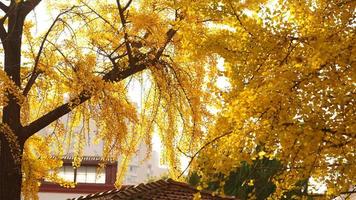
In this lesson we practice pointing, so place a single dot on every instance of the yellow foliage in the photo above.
(197, 196)
(79, 72)
(40, 162)
(292, 75)
(291, 66)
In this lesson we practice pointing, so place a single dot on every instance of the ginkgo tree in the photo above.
(76, 73)
(291, 66)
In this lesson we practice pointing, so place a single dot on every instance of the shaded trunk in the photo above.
(10, 173)
(12, 146)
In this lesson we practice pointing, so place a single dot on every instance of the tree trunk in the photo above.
(10, 162)
(10, 173)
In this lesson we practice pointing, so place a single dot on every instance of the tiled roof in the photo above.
(70, 156)
(158, 190)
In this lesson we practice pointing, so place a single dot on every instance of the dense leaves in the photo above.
(243, 181)
(71, 83)
(291, 65)
(254, 180)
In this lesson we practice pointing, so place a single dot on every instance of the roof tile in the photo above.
(158, 190)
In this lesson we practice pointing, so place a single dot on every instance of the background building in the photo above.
(89, 180)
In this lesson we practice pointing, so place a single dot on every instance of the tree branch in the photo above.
(170, 34)
(4, 7)
(239, 19)
(201, 149)
(115, 75)
(3, 33)
(100, 16)
(127, 5)
(29, 5)
(126, 37)
(35, 72)
(45, 120)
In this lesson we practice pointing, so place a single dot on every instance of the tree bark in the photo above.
(10, 159)
(10, 172)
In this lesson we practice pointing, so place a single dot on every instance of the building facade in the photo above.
(89, 179)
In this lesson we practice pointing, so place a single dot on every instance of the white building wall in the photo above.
(57, 196)
(141, 170)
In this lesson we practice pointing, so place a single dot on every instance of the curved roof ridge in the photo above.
(167, 189)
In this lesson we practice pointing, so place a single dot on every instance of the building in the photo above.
(89, 180)
(161, 189)
(141, 170)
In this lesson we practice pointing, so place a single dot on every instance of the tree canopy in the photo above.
(290, 65)
(79, 71)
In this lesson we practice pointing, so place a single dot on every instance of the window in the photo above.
(133, 168)
(84, 174)
(67, 173)
(130, 179)
(88, 174)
